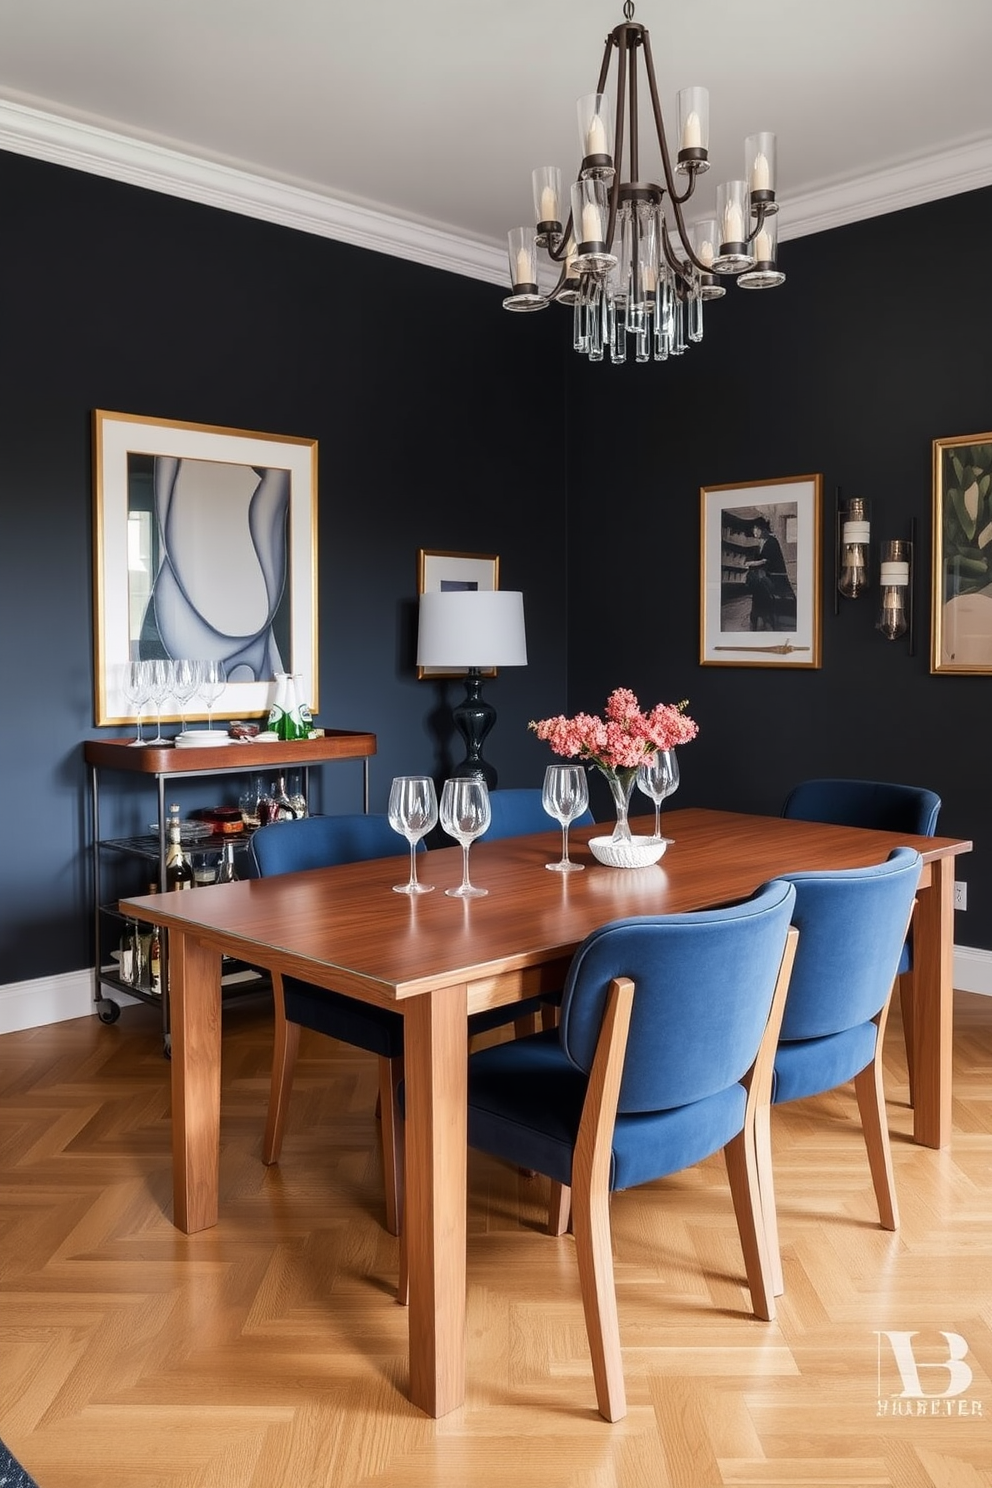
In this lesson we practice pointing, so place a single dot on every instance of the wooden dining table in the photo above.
(436, 958)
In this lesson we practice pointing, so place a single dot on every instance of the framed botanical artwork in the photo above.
(760, 573)
(962, 554)
(205, 548)
(438, 571)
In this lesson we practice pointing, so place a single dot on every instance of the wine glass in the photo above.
(159, 687)
(413, 813)
(658, 777)
(213, 680)
(134, 686)
(565, 796)
(465, 815)
(185, 682)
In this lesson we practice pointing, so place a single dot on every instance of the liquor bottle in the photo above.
(130, 954)
(282, 806)
(155, 963)
(225, 871)
(178, 866)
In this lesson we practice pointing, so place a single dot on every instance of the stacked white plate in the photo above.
(202, 738)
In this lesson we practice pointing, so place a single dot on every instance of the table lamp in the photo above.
(474, 630)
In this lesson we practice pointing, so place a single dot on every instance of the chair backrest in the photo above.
(866, 803)
(703, 987)
(519, 812)
(852, 925)
(322, 841)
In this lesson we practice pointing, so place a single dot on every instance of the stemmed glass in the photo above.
(658, 778)
(134, 685)
(565, 796)
(213, 680)
(413, 813)
(465, 815)
(185, 682)
(158, 672)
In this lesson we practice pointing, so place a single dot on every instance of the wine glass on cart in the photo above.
(185, 684)
(565, 796)
(412, 812)
(134, 686)
(159, 674)
(213, 680)
(465, 815)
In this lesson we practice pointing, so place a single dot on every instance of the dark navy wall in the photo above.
(876, 345)
(435, 430)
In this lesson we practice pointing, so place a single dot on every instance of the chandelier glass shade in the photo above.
(635, 273)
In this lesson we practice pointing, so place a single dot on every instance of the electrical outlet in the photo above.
(960, 895)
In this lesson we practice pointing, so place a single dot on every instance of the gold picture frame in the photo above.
(205, 546)
(760, 573)
(439, 569)
(961, 630)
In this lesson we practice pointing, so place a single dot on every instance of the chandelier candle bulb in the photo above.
(524, 271)
(692, 134)
(592, 224)
(763, 247)
(760, 177)
(733, 223)
(549, 205)
(596, 137)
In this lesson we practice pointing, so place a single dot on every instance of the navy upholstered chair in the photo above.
(661, 1025)
(852, 926)
(519, 812)
(321, 842)
(888, 807)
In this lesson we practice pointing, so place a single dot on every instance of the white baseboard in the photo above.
(50, 1000)
(55, 999)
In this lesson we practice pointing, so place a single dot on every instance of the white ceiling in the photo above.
(427, 116)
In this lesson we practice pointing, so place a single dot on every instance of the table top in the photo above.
(344, 928)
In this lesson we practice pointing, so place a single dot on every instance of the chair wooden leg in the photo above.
(870, 1091)
(524, 1027)
(559, 1209)
(594, 1253)
(391, 1131)
(750, 1207)
(906, 1003)
(286, 1044)
(766, 1191)
(549, 1016)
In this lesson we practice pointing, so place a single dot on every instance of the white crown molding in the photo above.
(965, 168)
(102, 152)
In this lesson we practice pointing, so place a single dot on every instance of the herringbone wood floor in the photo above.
(268, 1351)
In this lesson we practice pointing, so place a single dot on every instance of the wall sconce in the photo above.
(896, 609)
(852, 550)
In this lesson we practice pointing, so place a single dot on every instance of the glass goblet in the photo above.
(565, 796)
(185, 681)
(465, 815)
(134, 686)
(158, 673)
(412, 812)
(658, 778)
(213, 680)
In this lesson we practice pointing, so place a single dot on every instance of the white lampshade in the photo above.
(472, 628)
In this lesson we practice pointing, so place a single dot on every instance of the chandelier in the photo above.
(635, 274)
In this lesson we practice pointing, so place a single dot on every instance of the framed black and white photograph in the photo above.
(962, 554)
(205, 548)
(760, 573)
(439, 571)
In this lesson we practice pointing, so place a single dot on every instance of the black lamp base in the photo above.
(474, 719)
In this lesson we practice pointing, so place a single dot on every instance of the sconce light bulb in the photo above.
(893, 620)
(852, 580)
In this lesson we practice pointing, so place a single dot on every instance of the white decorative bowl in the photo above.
(639, 852)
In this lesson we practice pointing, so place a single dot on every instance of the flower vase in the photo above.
(621, 783)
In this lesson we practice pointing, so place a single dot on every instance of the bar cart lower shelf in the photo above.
(167, 764)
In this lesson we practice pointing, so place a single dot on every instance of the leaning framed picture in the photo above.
(205, 548)
(962, 554)
(439, 571)
(760, 573)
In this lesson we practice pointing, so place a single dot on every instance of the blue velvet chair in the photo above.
(852, 926)
(888, 807)
(321, 842)
(519, 812)
(655, 1065)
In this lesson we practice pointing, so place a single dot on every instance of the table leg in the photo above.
(194, 990)
(436, 1066)
(933, 993)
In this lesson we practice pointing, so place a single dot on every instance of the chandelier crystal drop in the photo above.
(635, 273)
